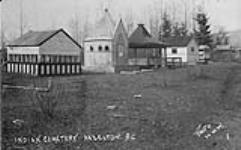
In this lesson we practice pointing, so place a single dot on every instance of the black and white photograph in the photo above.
(120, 74)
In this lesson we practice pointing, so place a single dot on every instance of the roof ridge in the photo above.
(44, 30)
(34, 38)
(178, 40)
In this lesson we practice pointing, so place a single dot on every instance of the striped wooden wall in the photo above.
(41, 67)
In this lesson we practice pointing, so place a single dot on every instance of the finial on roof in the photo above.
(106, 9)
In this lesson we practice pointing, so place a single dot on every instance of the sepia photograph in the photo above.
(120, 74)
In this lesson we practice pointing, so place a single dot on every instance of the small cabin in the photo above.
(185, 49)
(44, 53)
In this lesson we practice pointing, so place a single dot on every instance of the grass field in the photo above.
(172, 104)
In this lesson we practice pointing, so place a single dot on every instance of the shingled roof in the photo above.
(178, 41)
(141, 38)
(37, 38)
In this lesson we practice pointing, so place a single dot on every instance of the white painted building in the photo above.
(105, 48)
(44, 53)
(185, 48)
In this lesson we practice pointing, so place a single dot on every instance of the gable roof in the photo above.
(178, 41)
(141, 38)
(37, 38)
(120, 25)
(104, 27)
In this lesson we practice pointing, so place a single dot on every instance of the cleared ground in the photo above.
(170, 104)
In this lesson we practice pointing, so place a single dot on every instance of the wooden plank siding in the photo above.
(120, 46)
(145, 56)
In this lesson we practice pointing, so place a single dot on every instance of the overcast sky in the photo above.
(50, 14)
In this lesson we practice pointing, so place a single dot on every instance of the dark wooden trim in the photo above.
(46, 39)
(60, 30)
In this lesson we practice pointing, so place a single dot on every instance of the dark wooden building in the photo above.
(144, 50)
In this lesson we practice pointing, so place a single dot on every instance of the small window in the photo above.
(47, 58)
(67, 59)
(174, 51)
(107, 48)
(100, 48)
(70, 59)
(33, 58)
(20, 58)
(57, 59)
(52, 59)
(27, 58)
(43, 58)
(91, 48)
(15, 58)
(30, 58)
(75, 59)
(62, 59)
(192, 49)
(10, 57)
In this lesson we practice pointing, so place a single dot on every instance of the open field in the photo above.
(169, 106)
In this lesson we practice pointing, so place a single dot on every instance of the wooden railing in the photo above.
(173, 62)
(148, 61)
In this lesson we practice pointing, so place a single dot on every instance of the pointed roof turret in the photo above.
(104, 27)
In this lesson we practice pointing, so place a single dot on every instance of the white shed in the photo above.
(185, 48)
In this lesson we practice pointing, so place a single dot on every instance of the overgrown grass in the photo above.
(164, 118)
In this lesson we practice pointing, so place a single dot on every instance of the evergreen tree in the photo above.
(183, 29)
(176, 30)
(179, 30)
(166, 27)
(203, 33)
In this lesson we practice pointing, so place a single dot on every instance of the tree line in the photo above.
(201, 30)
